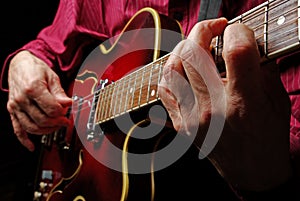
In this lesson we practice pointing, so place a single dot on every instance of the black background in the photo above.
(20, 22)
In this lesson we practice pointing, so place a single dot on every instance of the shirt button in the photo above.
(178, 16)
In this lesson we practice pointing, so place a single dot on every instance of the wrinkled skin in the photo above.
(252, 151)
(37, 103)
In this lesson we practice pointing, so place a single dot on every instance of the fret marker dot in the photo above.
(281, 20)
(153, 92)
(130, 90)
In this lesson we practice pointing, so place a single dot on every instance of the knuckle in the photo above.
(19, 99)
(31, 128)
(31, 86)
(234, 52)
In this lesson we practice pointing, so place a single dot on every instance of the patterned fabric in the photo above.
(81, 23)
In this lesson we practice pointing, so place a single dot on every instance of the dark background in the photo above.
(20, 22)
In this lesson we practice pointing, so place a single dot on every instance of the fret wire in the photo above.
(273, 30)
(111, 88)
(266, 29)
(248, 15)
(100, 104)
(298, 21)
(103, 104)
(289, 12)
(145, 70)
(279, 36)
(108, 101)
(277, 44)
(245, 19)
(149, 83)
(123, 81)
(159, 76)
(141, 87)
(133, 91)
(116, 101)
(276, 29)
(217, 47)
(270, 39)
(284, 42)
(127, 92)
(255, 16)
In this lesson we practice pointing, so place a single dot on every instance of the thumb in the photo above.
(57, 91)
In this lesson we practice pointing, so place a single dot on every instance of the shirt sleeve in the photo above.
(64, 43)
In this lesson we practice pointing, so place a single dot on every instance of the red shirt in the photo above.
(80, 23)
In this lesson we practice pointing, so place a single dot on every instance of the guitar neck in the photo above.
(275, 24)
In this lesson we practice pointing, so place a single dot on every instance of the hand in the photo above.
(37, 103)
(252, 152)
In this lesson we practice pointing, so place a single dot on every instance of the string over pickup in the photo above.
(93, 131)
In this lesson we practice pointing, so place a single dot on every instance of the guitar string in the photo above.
(139, 88)
(119, 83)
(90, 97)
(261, 25)
(271, 39)
(254, 14)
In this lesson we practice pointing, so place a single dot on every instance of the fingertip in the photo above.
(25, 141)
(30, 146)
(64, 100)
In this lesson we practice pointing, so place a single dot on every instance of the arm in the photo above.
(37, 101)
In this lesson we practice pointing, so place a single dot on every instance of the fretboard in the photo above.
(275, 24)
(131, 92)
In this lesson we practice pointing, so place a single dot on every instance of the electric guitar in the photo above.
(89, 162)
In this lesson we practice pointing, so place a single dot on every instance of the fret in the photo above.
(275, 25)
(150, 81)
(159, 75)
(141, 87)
(102, 104)
(265, 34)
(131, 91)
(137, 89)
(134, 90)
(122, 82)
(144, 85)
(109, 101)
(116, 87)
(283, 26)
(276, 28)
(127, 92)
(153, 83)
(99, 105)
(298, 20)
(106, 103)
(256, 19)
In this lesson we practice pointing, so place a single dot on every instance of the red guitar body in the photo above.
(68, 168)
